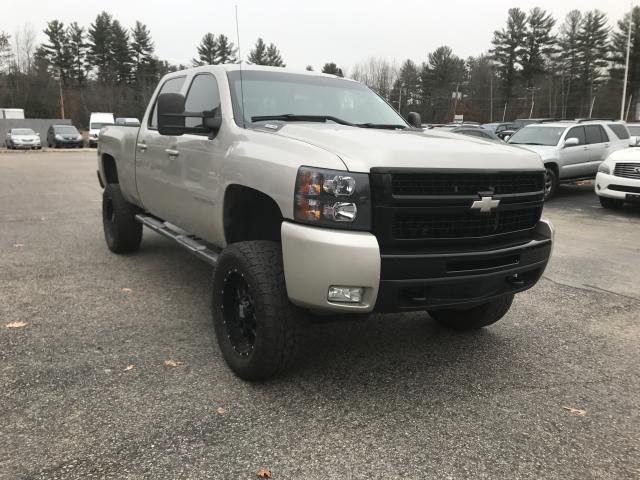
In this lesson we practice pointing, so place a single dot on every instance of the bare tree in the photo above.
(378, 74)
(24, 46)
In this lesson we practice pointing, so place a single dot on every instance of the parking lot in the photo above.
(109, 367)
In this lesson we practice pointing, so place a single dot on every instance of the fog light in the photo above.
(345, 294)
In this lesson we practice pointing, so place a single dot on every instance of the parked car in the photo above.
(634, 131)
(22, 138)
(618, 179)
(476, 131)
(309, 195)
(64, 136)
(97, 120)
(501, 129)
(128, 122)
(571, 149)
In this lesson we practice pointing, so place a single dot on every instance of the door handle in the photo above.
(171, 152)
(142, 146)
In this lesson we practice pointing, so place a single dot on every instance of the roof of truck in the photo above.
(232, 67)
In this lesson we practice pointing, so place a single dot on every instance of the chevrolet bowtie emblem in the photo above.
(485, 204)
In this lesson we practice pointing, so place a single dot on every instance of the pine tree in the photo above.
(332, 69)
(227, 53)
(6, 54)
(569, 58)
(100, 56)
(593, 41)
(444, 75)
(258, 56)
(508, 49)
(405, 95)
(78, 53)
(207, 51)
(539, 45)
(274, 58)
(142, 49)
(619, 52)
(309, 68)
(57, 50)
(122, 55)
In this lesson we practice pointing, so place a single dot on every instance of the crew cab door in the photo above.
(200, 161)
(157, 169)
(574, 159)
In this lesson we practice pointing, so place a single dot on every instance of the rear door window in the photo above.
(595, 134)
(577, 132)
(173, 85)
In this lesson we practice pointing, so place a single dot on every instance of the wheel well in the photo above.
(250, 215)
(109, 168)
(554, 167)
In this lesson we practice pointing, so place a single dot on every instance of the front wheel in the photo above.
(256, 325)
(550, 183)
(475, 317)
(612, 203)
(122, 232)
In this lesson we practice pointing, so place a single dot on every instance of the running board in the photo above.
(188, 242)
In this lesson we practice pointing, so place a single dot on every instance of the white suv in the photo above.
(618, 179)
(572, 150)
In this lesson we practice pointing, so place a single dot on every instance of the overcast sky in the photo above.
(344, 31)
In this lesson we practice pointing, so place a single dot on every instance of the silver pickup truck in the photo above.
(311, 196)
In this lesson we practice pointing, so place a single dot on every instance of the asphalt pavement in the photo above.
(109, 366)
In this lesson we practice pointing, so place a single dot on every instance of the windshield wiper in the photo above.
(531, 143)
(291, 117)
(380, 125)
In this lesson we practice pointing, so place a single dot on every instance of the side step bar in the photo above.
(188, 242)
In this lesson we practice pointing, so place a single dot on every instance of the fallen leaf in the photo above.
(221, 411)
(129, 368)
(126, 290)
(172, 363)
(264, 473)
(18, 245)
(16, 324)
(575, 411)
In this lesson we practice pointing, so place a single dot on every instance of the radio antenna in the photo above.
(240, 57)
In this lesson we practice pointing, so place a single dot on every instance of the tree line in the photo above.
(535, 67)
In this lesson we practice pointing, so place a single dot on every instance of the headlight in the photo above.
(79, 137)
(58, 137)
(332, 198)
(604, 168)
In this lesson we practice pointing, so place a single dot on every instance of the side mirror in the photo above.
(414, 119)
(571, 142)
(634, 141)
(171, 117)
(170, 114)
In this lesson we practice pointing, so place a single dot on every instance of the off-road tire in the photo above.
(550, 183)
(611, 203)
(122, 232)
(278, 323)
(475, 317)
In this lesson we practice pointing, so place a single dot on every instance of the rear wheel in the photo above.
(256, 325)
(550, 183)
(612, 203)
(475, 317)
(122, 232)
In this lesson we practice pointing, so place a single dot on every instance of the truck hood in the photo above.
(362, 149)
(546, 152)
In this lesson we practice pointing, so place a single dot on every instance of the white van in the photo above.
(12, 113)
(96, 122)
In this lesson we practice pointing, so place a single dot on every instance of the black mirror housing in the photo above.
(171, 114)
(414, 119)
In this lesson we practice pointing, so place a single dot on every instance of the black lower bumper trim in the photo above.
(430, 281)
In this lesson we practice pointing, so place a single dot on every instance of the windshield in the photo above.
(275, 93)
(99, 125)
(66, 130)
(634, 130)
(534, 135)
(22, 131)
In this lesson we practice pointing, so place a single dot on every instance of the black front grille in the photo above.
(627, 170)
(420, 209)
(469, 225)
(624, 188)
(405, 184)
